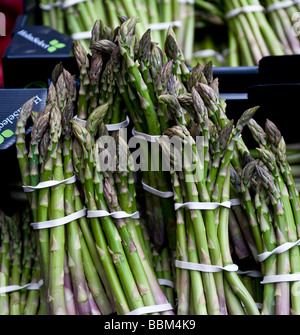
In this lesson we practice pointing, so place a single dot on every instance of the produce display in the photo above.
(229, 33)
(20, 276)
(144, 196)
(293, 158)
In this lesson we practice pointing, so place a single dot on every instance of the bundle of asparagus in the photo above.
(120, 262)
(77, 19)
(253, 34)
(207, 52)
(268, 181)
(207, 231)
(255, 28)
(292, 157)
(161, 92)
(73, 280)
(20, 269)
(119, 239)
(283, 18)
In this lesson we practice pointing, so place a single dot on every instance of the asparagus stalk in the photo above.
(283, 289)
(232, 278)
(81, 57)
(15, 274)
(5, 265)
(108, 257)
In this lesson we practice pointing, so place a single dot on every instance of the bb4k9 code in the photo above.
(172, 324)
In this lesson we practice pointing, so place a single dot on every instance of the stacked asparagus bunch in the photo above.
(20, 269)
(102, 260)
(71, 269)
(121, 259)
(251, 34)
(163, 93)
(255, 29)
(203, 235)
(274, 215)
(292, 157)
(234, 33)
(283, 17)
(78, 18)
(123, 252)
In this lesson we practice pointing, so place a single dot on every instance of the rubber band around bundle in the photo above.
(70, 3)
(284, 278)
(279, 5)
(13, 288)
(210, 53)
(115, 215)
(59, 222)
(165, 282)
(279, 250)
(109, 127)
(164, 25)
(49, 183)
(82, 35)
(207, 205)
(154, 191)
(250, 273)
(151, 309)
(146, 137)
(244, 10)
(259, 305)
(189, 2)
(205, 267)
(118, 126)
(76, 118)
(50, 6)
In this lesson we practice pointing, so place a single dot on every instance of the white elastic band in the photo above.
(209, 53)
(69, 3)
(151, 309)
(205, 53)
(277, 251)
(165, 282)
(244, 10)
(118, 126)
(83, 35)
(226, 52)
(259, 305)
(148, 138)
(109, 127)
(183, 2)
(250, 273)
(115, 215)
(279, 5)
(289, 277)
(164, 25)
(13, 288)
(50, 5)
(205, 267)
(76, 118)
(207, 205)
(235, 202)
(59, 222)
(49, 183)
(154, 191)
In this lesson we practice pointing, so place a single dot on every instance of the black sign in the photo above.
(11, 102)
(31, 41)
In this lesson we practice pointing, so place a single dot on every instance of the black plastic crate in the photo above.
(274, 86)
(33, 53)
